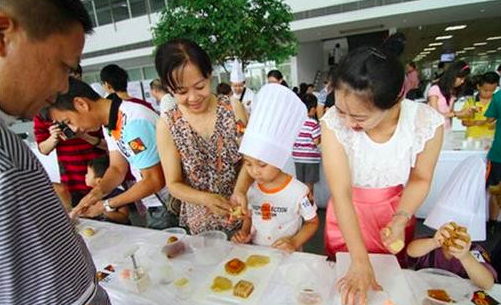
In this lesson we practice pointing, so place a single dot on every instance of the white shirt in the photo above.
(278, 213)
(247, 99)
(381, 165)
(167, 102)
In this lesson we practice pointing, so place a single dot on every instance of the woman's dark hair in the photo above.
(310, 100)
(375, 71)
(295, 90)
(115, 76)
(223, 89)
(488, 78)
(412, 64)
(458, 69)
(173, 56)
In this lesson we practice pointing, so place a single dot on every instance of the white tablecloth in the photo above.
(111, 241)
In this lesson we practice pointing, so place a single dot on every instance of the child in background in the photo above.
(454, 254)
(278, 203)
(494, 156)
(305, 152)
(477, 124)
(95, 171)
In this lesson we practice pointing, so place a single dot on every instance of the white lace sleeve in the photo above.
(336, 124)
(426, 122)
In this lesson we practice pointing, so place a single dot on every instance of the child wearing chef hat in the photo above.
(459, 217)
(280, 214)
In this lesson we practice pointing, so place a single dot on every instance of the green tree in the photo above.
(252, 30)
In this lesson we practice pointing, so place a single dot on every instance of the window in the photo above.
(134, 74)
(103, 11)
(90, 10)
(138, 7)
(157, 5)
(120, 10)
(150, 72)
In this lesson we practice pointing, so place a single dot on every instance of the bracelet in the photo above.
(403, 213)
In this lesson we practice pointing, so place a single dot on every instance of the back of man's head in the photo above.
(115, 76)
(41, 18)
(77, 88)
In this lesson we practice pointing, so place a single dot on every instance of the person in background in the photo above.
(440, 71)
(44, 261)
(477, 124)
(310, 89)
(295, 89)
(493, 114)
(114, 80)
(411, 78)
(461, 257)
(499, 73)
(303, 87)
(74, 151)
(197, 140)
(276, 77)
(443, 95)
(379, 153)
(322, 97)
(224, 92)
(306, 154)
(164, 99)
(96, 169)
(278, 203)
(129, 130)
(240, 91)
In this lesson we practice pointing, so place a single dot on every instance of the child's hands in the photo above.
(241, 237)
(460, 248)
(286, 244)
(442, 234)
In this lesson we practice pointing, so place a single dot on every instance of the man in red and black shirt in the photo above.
(73, 153)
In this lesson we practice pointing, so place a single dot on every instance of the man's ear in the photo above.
(81, 104)
(7, 27)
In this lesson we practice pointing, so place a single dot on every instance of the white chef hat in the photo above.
(463, 199)
(274, 125)
(237, 75)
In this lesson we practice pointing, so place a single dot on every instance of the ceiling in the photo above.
(483, 20)
(476, 31)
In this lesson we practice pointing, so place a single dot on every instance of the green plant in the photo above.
(251, 30)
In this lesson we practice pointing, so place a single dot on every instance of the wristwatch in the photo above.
(107, 207)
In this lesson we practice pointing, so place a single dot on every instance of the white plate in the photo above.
(456, 287)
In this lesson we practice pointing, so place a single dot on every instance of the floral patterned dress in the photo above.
(209, 165)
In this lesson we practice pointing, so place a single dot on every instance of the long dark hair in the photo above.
(375, 71)
(446, 82)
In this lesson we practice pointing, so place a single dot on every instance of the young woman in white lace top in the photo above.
(379, 154)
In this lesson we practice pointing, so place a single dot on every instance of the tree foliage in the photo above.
(251, 30)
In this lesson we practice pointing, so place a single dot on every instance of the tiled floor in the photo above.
(316, 244)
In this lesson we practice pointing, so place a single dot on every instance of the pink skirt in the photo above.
(375, 209)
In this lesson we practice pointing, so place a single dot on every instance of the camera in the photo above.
(66, 130)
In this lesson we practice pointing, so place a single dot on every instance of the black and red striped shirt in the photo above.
(73, 155)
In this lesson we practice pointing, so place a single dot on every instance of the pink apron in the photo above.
(374, 208)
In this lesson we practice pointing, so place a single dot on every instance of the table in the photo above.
(111, 241)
